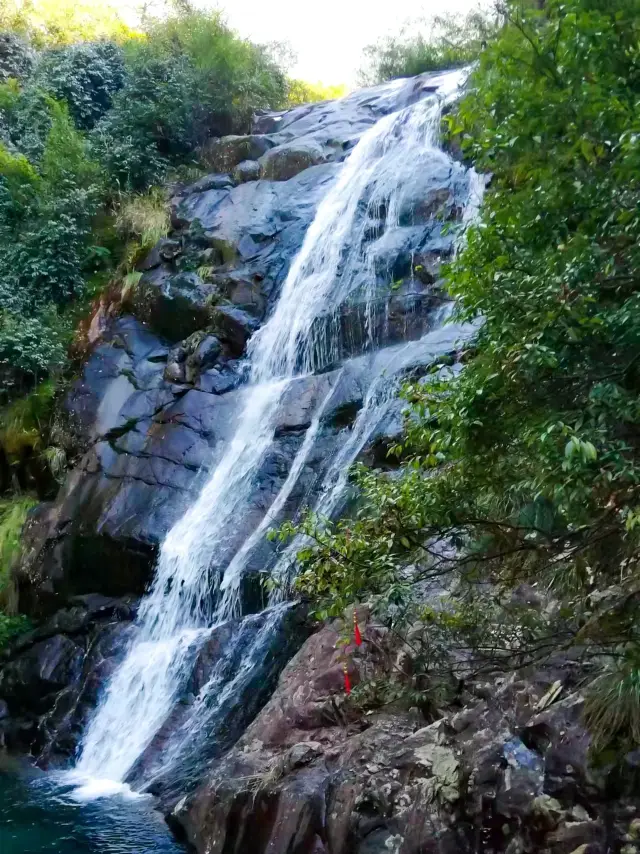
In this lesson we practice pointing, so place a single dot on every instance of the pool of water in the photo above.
(39, 815)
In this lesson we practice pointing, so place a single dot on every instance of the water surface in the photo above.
(38, 816)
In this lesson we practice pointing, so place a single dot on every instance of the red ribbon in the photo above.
(347, 681)
(356, 631)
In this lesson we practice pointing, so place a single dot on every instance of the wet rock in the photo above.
(259, 225)
(60, 658)
(174, 305)
(209, 182)
(208, 351)
(242, 290)
(303, 398)
(235, 327)
(216, 381)
(44, 668)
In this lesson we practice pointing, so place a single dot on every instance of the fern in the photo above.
(205, 272)
(612, 706)
(129, 284)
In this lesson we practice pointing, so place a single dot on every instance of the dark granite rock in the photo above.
(173, 304)
(234, 327)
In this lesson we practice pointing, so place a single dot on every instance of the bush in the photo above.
(55, 23)
(300, 92)
(46, 212)
(13, 515)
(85, 76)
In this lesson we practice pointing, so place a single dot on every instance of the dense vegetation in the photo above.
(445, 41)
(518, 499)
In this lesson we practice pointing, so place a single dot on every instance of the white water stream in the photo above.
(189, 595)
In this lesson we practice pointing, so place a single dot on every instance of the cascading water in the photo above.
(200, 566)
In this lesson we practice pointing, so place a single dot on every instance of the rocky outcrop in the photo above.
(507, 770)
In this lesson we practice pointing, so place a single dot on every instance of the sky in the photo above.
(328, 36)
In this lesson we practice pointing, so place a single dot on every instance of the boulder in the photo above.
(242, 290)
(286, 161)
(234, 327)
(207, 352)
(51, 677)
(225, 153)
(325, 777)
(174, 305)
(259, 225)
(248, 170)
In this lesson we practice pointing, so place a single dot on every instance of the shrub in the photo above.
(12, 626)
(85, 76)
(24, 422)
(13, 514)
(16, 57)
(46, 213)
(189, 79)
(54, 23)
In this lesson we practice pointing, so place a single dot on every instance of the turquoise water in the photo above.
(39, 816)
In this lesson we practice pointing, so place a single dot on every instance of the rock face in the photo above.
(51, 677)
(507, 771)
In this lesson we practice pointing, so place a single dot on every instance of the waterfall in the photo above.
(200, 567)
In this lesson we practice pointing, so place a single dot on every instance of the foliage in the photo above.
(23, 422)
(87, 120)
(55, 23)
(16, 57)
(190, 79)
(612, 707)
(524, 468)
(86, 76)
(12, 626)
(144, 217)
(446, 41)
(301, 92)
(46, 212)
(13, 515)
